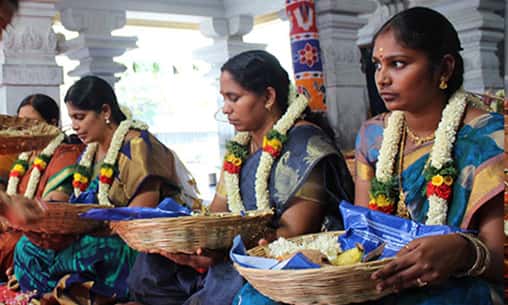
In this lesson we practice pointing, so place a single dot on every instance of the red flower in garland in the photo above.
(443, 191)
(231, 168)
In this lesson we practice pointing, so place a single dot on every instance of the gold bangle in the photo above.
(482, 259)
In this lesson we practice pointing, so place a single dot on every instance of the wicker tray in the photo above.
(187, 234)
(22, 134)
(334, 285)
(63, 218)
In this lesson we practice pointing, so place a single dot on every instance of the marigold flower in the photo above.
(448, 180)
(437, 180)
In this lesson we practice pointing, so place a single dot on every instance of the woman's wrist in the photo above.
(478, 261)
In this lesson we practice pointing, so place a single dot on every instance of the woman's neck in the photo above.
(425, 121)
(258, 135)
(105, 142)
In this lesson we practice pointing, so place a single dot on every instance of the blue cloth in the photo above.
(372, 228)
(167, 208)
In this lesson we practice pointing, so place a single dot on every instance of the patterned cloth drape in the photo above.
(305, 52)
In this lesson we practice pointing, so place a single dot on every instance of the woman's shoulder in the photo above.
(377, 121)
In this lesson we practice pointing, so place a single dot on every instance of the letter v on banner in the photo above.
(306, 53)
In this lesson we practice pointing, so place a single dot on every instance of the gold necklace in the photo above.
(419, 140)
(402, 210)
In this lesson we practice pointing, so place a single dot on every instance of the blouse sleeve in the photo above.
(142, 158)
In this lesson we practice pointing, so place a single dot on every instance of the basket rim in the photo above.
(221, 216)
(329, 268)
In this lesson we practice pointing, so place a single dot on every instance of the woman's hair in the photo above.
(44, 105)
(428, 31)
(257, 70)
(14, 4)
(91, 93)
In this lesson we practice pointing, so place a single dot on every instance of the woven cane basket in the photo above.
(63, 218)
(22, 134)
(333, 285)
(188, 233)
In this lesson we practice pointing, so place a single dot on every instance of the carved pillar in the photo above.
(95, 47)
(480, 26)
(338, 22)
(227, 35)
(27, 62)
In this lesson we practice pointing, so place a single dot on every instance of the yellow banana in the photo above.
(349, 257)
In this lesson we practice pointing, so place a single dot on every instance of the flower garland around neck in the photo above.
(83, 172)
(39, 165)
(439, 173)
(273, 142)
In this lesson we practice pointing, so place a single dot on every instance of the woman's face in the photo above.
(404, 77)
(245, 110)
(28, 111)
(88, 124)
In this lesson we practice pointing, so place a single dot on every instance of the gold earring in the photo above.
(443, 85)
(268, 107)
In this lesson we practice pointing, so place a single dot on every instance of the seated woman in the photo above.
(304, 184)
(123, 165)
(58, 170)
(435, 159)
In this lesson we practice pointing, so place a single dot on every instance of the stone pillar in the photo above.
(481, 31)
(227, 35)
(95, 47)
(338, 22)
(27, 56)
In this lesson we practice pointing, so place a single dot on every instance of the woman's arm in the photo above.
(433, 259)
(301, 217)
(148, 194)
(362, 188)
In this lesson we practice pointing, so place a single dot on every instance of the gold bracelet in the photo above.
(482, 259)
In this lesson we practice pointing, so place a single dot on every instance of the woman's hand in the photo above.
(54, 242)
(425, 261)
(20, 210)
(201, 260)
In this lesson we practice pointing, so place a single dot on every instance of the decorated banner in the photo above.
(305, 52)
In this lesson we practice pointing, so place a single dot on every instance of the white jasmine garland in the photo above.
(12, 184)
(440, 154)
(111, 155)
(389, 146)
(232, 181)
(442, 151)
(35, 175)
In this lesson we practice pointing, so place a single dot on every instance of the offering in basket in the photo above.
(22, 134)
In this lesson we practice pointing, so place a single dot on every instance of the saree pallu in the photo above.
(478, 157)
(98, 265)
(156, 280)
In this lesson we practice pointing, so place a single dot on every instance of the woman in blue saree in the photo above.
(94, 268)
(419, 76)
(305, 184)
